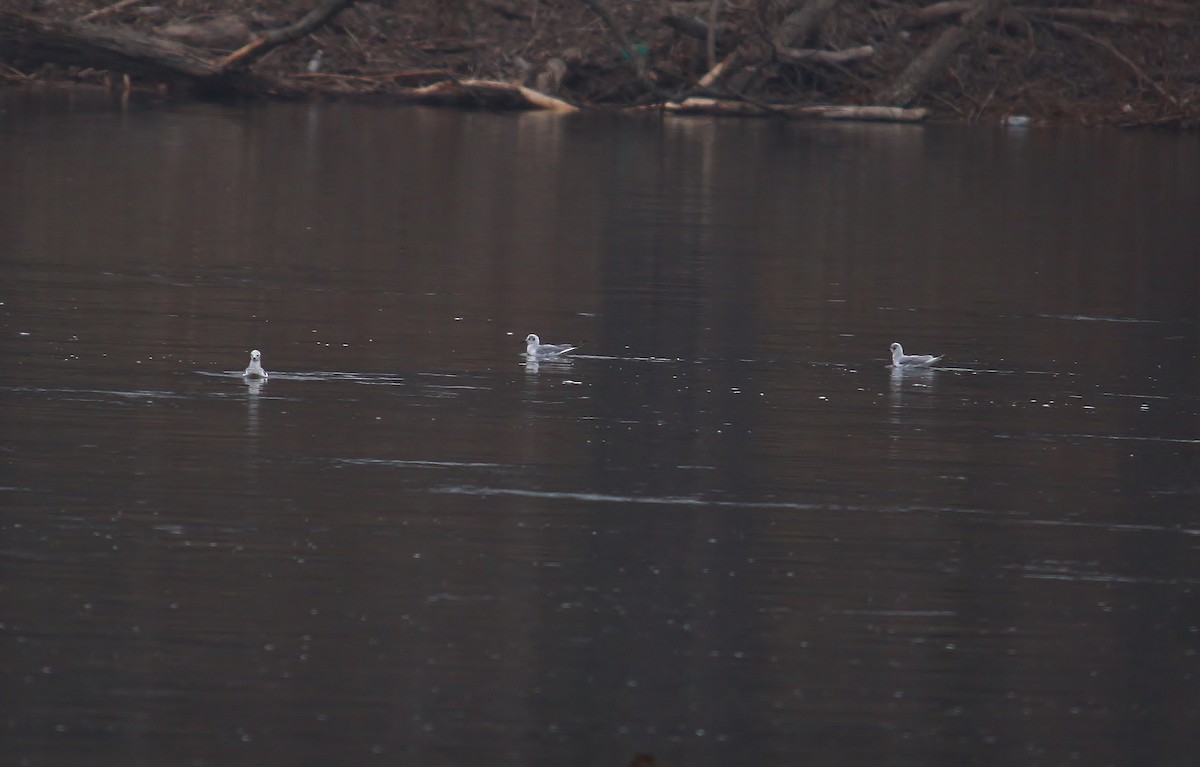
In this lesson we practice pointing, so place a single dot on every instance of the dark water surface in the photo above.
(726, 533)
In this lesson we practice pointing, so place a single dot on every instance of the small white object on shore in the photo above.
(314, 64)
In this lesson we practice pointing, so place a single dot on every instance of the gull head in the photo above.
(532, 340)
(255, 355)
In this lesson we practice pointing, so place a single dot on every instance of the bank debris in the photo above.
(1130, 63)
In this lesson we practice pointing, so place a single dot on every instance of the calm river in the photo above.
(725, 533)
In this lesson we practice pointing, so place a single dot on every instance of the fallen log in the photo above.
(861, 113)
(27, 37)
(40, 40)
(699, 105)
(485, 93)
(810, 55)
(730, 108)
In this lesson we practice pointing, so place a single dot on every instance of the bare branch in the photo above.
(106, 10)
(811, 55)
(1116, 54)
(273, 38)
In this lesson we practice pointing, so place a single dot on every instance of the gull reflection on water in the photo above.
(904, 377)
(254, 387)
(534, 365)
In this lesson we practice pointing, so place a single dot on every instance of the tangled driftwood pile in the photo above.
(1129, 62)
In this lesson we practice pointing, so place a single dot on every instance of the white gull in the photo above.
(536, 350)
(900, 359)
(255, 368)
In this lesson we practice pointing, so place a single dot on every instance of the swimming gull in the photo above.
(900, 359)
(536, 350)
(255, 368)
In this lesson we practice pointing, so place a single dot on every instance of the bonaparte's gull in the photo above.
(900, 359)
(536, 350)
(255, 368)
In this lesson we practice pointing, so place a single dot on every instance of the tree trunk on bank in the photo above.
(36, 39)
(798, 25)
(916, 77)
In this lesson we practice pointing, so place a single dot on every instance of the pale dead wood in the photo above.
(862, 113)
(811, 55)
(716, 107)
(106, 10)
(378, 77)
(12, 73)
(699, 105)
(546, 102)
(716, 73)
(491, 93)
(921, 70)
(414, 74)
